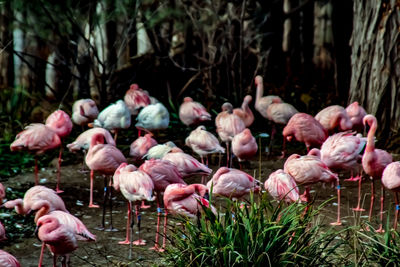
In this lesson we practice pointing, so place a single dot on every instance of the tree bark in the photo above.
(6, 45)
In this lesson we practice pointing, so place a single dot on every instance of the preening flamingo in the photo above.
(192, 112)
(282, 187)
(153, 117)
(8, 260)
(244, 145)
(391, 180)
(135, 186)
(136, 98)
(84, 111)
(104, 158)
(304, 128)
(356, 114)
(374, 162)
(244, 112)
(334, 118)
(160, 150)
(141, 146)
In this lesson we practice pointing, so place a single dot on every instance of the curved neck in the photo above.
(260, 91)
(97, 139)
(200, 189)
(371, 135)
(43, 211)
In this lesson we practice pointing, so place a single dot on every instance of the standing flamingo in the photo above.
(192, 113)
(304, 128)
(334, 118)
(136, 98)
(228, 125)
(244, 112)
(244, 145)
(141, 146)
(262, 102)
(104, 158)
(356, 114)
(84, 111)
(114, 117)
(282, 187)
(153, 117)
(307, 170)
(8, 260)
(374, 162)
(163, 173)
(391, 180)
(232, 183)
(136, 186)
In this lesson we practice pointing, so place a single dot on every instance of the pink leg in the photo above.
(371, 207)
(139, 242)
(338, 221)
(358, 208)
(144, 206)
(227, 154)
(380, 229)
(396, 213)
(156, 246)
(128, 225)
(165, 231)
(36, 171)
(41, 255)
(58, 191)
(115, 135)
(202, 177)
(91, 205)
(283, 148)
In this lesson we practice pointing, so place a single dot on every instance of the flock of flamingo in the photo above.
(331, 139)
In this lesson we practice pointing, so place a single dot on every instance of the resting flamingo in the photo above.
(334, 118)
(8, 260)
(244, 112)
(141, 146)
(374, 162)
(136, 98)
(160, 150)
(391, 180)
(244, 145)
(282, 187)
(153, 117)
(192, 112)
(356, 114)
(84, 111)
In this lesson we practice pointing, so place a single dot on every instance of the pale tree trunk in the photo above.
(375, 61)
(6, 46)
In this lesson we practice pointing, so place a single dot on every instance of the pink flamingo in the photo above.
(114, 117)
(244, 145)
(374, 162)
(191, 112)
(203, 143)
(141, 146)
(304, 128)
(391, 180)
(36, 138)
(61, 123)
(160, 150)
(244, 112)
(153, 117)
(307, 170)
(136, 98)
(228, 125)
(188, 165)
(282, 186)
(8, 260)
(2, 193)
(2, 233)
(163, 173)
(232, 183)
(84, 111)
(104, 158)
(342, 151)
(262, 103)
(334, 118)
(356, 114)
(136, 186)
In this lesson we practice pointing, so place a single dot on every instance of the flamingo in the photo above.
(391, 180)
(141, 146)
(342, 151)
(334, 118)
(104, 158)
(374, 162)
(160, 150)
(228, 125)
(114, 117)
(244, 145)
(307, 170)
(203, 143)
(163, 173)
(304, 128)
(136, 98)
(262, 103)
(192, 112)
(232, 183)
(8, 260)
(356, 114)
(84, 111)
(153, 117)
(244, 112)
(135, 186)
(2, 193)
(2, 233)
(282, 187)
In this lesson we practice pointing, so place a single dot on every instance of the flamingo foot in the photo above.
(380, 230)
(91, 205)
(139, 242)
(336, 223)
(353, 179)
(157, 248)
(358, 209)
(143, 206)
(125, 242)
(58, 191)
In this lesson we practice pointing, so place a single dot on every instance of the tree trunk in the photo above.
(375, 64)
(6, 46)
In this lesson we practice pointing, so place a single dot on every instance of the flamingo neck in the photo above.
(259, 92)
(43, 211)
(371, 137)
(96, 139)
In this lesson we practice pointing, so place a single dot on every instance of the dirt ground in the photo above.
(107, 252)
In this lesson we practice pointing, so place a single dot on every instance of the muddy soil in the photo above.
(107, 252)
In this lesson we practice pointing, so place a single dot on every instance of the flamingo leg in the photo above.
(58, 191)
(128, 225)
(36, 171)
(131, 232)
(103, 223)
(380, 229)
(156, 246)
(358, 208)
(227, 154)
(91, 205)
(165, 231)
(115, 135)
(273, 131)
(371, 207)
(41, 255)
(338, 221)
(202, 177)
(64, 261)
(83, 169)
(139, 242)
(110, 192)
(144, 206)
(283, 148)
(396, 213)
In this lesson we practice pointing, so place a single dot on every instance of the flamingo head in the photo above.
(248, 98)
(227, 107)
(187, 99)
(134, 86)
(369, 119)
(258, 80)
